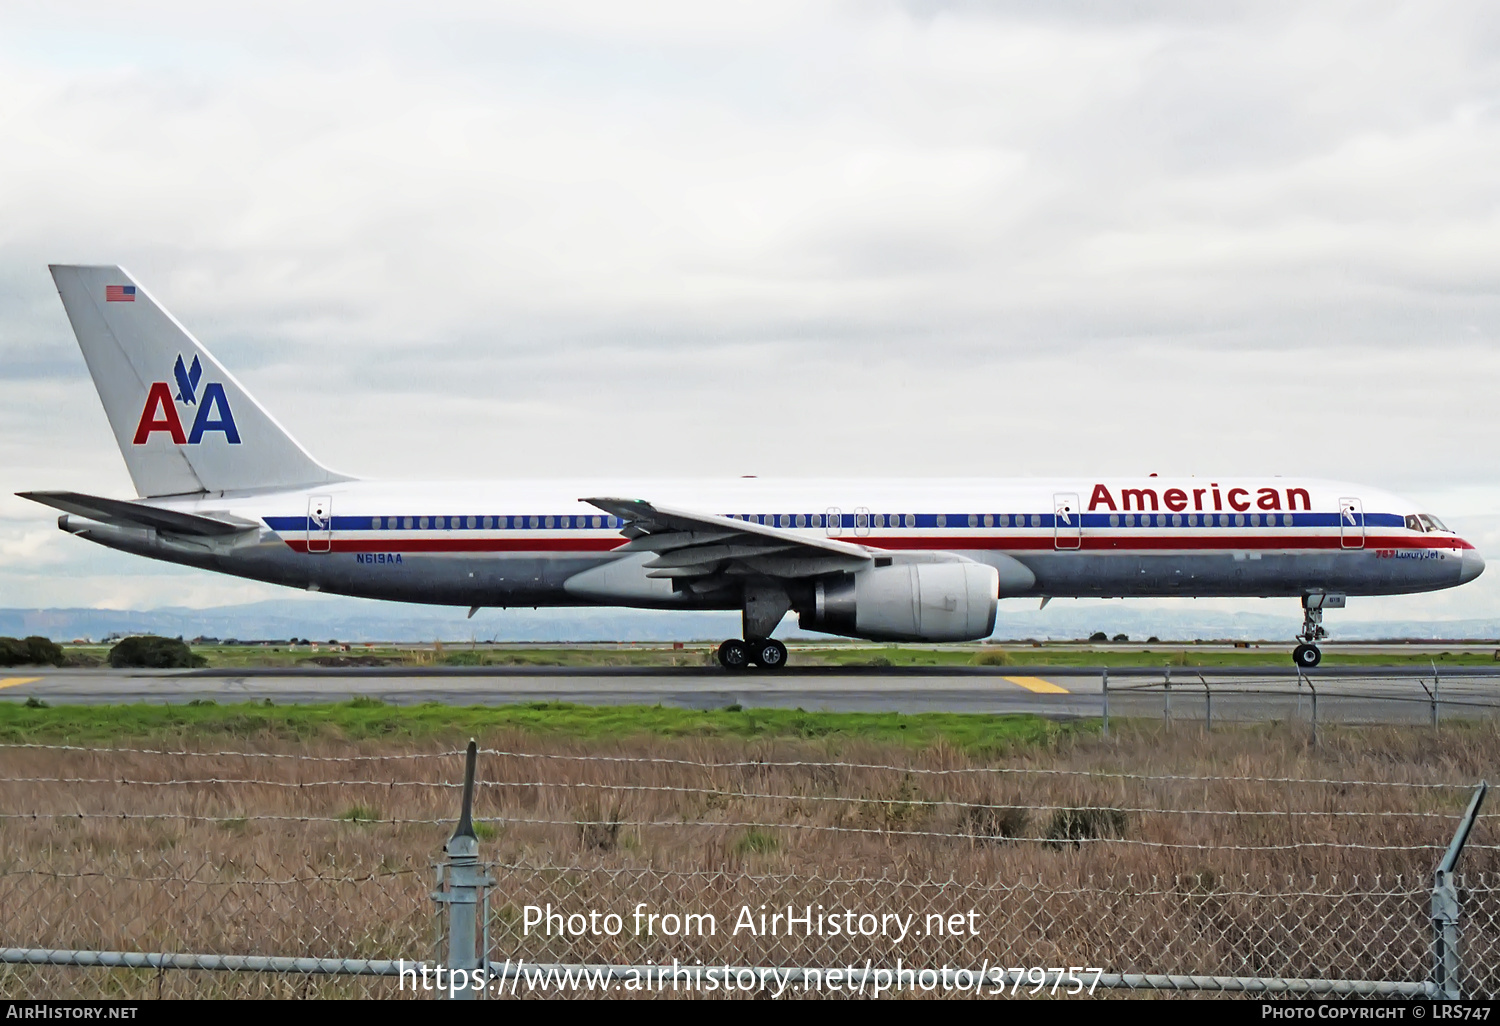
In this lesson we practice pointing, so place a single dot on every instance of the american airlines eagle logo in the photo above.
(160, 412)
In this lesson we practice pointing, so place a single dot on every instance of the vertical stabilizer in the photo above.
(183, 423)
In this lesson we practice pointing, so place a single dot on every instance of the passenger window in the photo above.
(989, 520)
(973, 520)
(1004, 519)
(942, 520)
(549, 522)
(1239, 520)
(1114, 520)
(1129, 519)
(532, 522)
(1223, 519)
(801, 519)
(1176, 519)
(375, 524)
(1286, 520)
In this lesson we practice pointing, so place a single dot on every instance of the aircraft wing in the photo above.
(123, 513)
(703, 548)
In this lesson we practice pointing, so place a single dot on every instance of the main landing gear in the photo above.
(765, 603)
(1307, 654)
(765, 653)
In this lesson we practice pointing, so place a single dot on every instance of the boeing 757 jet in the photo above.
(222, 486)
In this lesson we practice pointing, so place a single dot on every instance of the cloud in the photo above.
(882, 239)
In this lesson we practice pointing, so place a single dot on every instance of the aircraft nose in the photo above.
(1472, 566)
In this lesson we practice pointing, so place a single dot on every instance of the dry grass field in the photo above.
(1241, 852)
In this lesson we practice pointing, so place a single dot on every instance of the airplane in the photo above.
(223, 487)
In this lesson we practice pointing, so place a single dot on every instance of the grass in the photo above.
(756, 842)
(365, 719)
(134, 850)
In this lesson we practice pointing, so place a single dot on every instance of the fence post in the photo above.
(1104, 684)
(463, 893)
(1435, 713)
(1446, 980)
(1208, 706)
(1314, 711)
(1166, 702)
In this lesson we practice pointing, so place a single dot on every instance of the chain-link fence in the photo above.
(1258, 868)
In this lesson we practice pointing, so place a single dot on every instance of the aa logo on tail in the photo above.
(160, 411)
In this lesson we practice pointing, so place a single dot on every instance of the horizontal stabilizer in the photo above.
(123, 513)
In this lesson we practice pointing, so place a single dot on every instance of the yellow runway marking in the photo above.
(1041, 687)
(10, 682)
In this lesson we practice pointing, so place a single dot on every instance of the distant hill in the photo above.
(346, 619)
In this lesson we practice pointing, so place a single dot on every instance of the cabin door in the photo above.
(1067, 522)
(319, 523)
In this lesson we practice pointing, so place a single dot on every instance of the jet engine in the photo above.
(944, 601)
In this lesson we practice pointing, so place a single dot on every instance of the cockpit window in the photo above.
(1413, 524)
(1431, 523)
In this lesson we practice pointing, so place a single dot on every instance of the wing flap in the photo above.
(698, 549)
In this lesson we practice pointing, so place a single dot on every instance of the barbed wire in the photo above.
(1423, 888)
(236, 755)
(712, 792)
(960, 770)
(760, 764)
(282, 882)
(1190, 690)
(972, 836)
(977, 835)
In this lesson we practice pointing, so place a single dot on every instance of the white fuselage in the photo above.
(532, 542)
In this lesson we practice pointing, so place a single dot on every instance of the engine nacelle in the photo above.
(951, 601)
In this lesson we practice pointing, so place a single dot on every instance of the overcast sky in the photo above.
(488, 239)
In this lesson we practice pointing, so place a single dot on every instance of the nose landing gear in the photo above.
(1307, 654)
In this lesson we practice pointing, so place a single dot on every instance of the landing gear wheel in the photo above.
(768, 654)
(1307, 656)
(734, 654)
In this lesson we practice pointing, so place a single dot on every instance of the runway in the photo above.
(1366, 695)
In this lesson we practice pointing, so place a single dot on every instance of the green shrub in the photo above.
(147, 651)
(33, 651)
(1069, 826)
(999, 658)
(756, 842)
(987, 823)
(12, 652)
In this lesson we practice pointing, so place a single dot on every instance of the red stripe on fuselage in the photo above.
(1014, 543)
